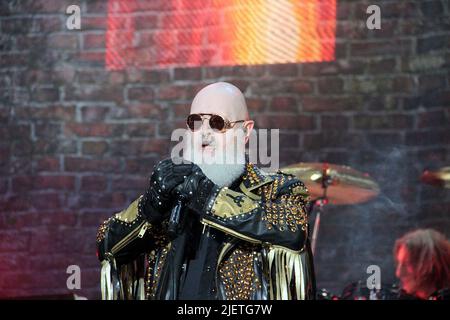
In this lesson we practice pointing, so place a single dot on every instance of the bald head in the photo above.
(221, 98)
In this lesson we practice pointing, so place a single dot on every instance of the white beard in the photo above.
(222, 174)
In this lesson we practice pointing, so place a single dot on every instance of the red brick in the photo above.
(3, 185)
(333, 122)
(432, 119)
(143, 94)
(93, 41)
(97, 6)
(94, 147)
(330, 104)
(63, 41)
(114, 200)
(383, 140)
(48, 24)
(299, 86)
(94, 114)
(332, 68)
(137, 148)
(234, 71)
(15, 131)
(182, 110)
(130, 183)
(141, 111)
(22, 183)
(147, 76)
(388, 121)
(94, 23)
(94, 217)
(431, 82)
(90, 56)
(14, 242)
(45, 94)
(16, 25)
(255, 104)
(373, 48)
(88, 129)
(385, 65)
(283, 104)
(172, 93)
(79, 164)
(55, 182)
(47, 130)
(117, 77)
(13, 59)
(46, 201)
(289, 141)
(285, 122)
(330, 85)
(168, 127)
(19, 202)
(187, 74)
(66, 113)
(94, 93)
(332, 139)
(427, 138)
(91, 76)
(143, 165)
(437, 99)
(283, 70)
(140, 130)
(20, 261)
(404, 84)
(58, 218)
(93, 183)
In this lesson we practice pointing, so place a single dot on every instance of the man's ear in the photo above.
(248, 127)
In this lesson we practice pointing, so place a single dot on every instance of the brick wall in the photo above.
(77, 142)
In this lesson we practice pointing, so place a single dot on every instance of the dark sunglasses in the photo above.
(195, 121)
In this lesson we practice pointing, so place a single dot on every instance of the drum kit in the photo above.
(332, 184)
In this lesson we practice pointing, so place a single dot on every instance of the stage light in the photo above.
(219, 32)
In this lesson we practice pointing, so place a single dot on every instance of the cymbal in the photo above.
(439, 178)
(345, 185)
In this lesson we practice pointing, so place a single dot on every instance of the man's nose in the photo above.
(205, 128)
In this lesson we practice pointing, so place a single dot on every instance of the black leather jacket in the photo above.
(265, 252)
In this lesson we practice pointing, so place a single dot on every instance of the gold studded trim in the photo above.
(138, 232)
(155, 265)
(229, 203)
(287, 213)
(237, 273)
(102, 229)
(130, 214)
(217, 226)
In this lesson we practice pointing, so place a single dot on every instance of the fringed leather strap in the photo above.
(285, 268)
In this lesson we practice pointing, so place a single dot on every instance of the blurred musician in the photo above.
(423, 264)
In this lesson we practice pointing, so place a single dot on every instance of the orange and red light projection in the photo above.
(189, 33)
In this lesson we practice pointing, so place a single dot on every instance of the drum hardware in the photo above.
(439, 178)
(332, 184)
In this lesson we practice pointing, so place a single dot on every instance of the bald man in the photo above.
(211, 225)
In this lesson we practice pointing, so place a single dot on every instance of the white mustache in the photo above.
(208, 143)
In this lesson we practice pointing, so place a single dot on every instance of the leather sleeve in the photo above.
(126, 235)
(277, 216)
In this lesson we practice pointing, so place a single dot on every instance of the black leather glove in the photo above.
(159, 196)
(196, 189)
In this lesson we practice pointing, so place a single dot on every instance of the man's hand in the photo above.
(195, 190)
(159, 196)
